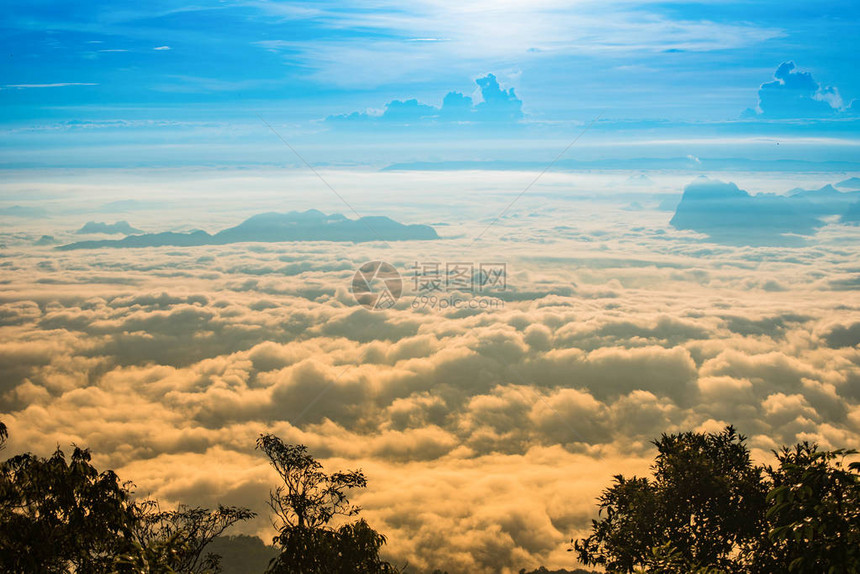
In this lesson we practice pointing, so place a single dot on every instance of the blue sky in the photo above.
(197, 76)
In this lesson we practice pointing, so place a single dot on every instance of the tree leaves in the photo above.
(815, 512)
(304, 507)
(309, 498)
(710, 509)
(59, 516)
(55, 513)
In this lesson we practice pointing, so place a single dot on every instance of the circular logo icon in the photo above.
(377, 285)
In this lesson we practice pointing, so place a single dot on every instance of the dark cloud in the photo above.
(773, 327)
(844, 336)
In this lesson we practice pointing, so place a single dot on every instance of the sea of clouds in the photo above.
(486, 434)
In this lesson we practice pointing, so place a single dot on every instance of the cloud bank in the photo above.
(485, 434)
(497, 106)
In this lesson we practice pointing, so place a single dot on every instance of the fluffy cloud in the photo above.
(497, 106)
(487, 433)
(796, 94)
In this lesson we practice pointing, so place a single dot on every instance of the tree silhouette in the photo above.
(185, 532)
(60, 516)
(352, 548)
(304, 507)
(309, 497)
(709, 509)
(815, 511)
(703, 507)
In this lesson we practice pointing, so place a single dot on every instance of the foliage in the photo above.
(666, 559)
(309, 498)
(351, 548)
(189, 531)
(703, 507)
(305, 505)
(815, 511)
(708, 509)
(154, 558)
(58, 515)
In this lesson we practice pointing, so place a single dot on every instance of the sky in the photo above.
(556, 139)
(125, 81)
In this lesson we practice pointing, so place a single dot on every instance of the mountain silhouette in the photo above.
(827, 200)
(850, 183)
(311, 225)
(314, 225)
(731, 215)
(241, 553)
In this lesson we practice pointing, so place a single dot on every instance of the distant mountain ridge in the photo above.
(731, 215)
(685, 163)
(850, 183)
(826, 200)
(311, 225)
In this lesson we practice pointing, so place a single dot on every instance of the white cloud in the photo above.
(169, 362)
(57, 85)
(482, 32)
